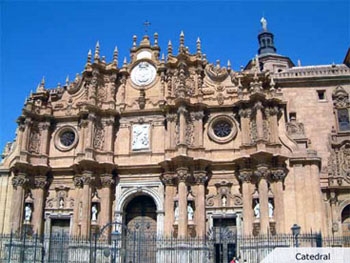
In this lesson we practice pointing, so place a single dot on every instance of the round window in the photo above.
(222, 129)
(66, 138)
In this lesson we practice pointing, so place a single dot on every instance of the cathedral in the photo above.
(184, 146)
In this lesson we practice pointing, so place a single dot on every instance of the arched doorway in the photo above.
(141, 223)
(140, 214)
(345, 220)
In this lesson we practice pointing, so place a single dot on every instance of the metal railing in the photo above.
(137, 247)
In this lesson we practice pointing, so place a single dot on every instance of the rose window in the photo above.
(67, 138)
(222, 129)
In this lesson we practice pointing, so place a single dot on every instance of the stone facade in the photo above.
(183, 145)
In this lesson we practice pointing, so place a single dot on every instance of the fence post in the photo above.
(10, 247)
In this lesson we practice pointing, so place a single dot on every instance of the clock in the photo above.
(143, 74)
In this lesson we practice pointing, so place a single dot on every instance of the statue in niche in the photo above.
(189, 212)
(27, 213)
(61, 203)
(224, 200)
(176, 212)
(94, 213)
(270, 209)
(257, 209)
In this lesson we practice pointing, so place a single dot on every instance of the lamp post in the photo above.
(115, 235)
(296, 231)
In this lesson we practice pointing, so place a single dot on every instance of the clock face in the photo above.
(143, 74)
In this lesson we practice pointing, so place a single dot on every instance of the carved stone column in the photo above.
(44, 127)
(82, 206)
(245, 176)
(278, 176)
(171, 134)
(273, 124)
(182, 175)
(86, 178)
(245, 115)
(182, 125)
(39, 200)
(319, 220)
(169, 219)
(259, 120)
(200, 177)
(77, 213)
(105, 212)
(89, 132)
(19, 181)
(82, 134)
(26, 133)
(262, 174)
(199, 128)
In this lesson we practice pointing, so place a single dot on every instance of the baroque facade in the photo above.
(184, 146)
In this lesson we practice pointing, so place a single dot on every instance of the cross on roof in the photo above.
(146, 24)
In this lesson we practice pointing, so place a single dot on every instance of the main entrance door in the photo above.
(59, 240)
(141, 222)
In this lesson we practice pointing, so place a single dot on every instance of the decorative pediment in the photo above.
(340, 97)
(215, 72)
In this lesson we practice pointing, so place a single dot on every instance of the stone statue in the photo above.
(94, 213)
(61, 203)
(27, 213)
(176, 212)
(270, 209)
(189, 212)
(263, 22)
(224, 201)
(257, 210)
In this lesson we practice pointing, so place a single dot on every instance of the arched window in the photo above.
(345, 220)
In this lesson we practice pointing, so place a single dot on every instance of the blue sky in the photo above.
(51, 39)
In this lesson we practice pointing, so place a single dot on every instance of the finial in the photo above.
(125, 63)
(115, 55)
(170, 48)
(263, 22)
(76, 77)
(58, 85)
(162, 58)
(134, 39)
(67, 80)
(218, 63)
(42, 83)
(228, 64)
(97, 51)
(103, 59)
(155, 39)
(146, 24)
(199, 46)
(182, 41)
(299, 63)
(89, 57)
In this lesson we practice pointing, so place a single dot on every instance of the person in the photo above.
(27, 213)
(233, 260)
(94, 213)
(189, 212)
(257, 210)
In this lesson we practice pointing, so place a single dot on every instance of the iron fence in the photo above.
(137, 247)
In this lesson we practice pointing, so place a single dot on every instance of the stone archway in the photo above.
(141, 213)
(345, 220)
